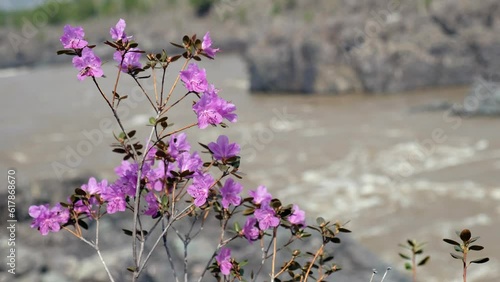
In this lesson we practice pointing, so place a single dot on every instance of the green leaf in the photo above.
(186, 40)
(335, 240)
(424, 261)
(275, 203)
(175, 58)
(411, 242)
(80, 191)
(237, 227)
(408, 266)
(152, 121)
(473, 240)
(127, 232)
(177, 45)
(160, 120)
(456, 256)
(119, 151)
(476, 247)
(404, 256)
(294, 266)
(451, 242)
(248, 211)
(320, 221)
(478, 261)
(83, 224)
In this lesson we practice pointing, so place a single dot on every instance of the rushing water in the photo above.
(394, 171)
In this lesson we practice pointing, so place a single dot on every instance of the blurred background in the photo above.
(381, 112)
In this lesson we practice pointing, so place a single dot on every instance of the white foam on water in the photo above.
(13, 72)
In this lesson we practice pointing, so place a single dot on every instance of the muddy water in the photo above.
(394, 171)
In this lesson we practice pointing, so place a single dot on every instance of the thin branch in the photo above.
(320, 250)
(285, 267)
(167, 249)
(137, 257)
(177, 217)
(99, 251)
(275, 242)
(117, 79)
(154, 86)
(176, 102)
(163, 82)
(145, 94)
(176, 81)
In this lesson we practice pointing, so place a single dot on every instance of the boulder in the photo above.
(483, 98)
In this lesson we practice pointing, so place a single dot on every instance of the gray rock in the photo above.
(378, 47)
(483, 99)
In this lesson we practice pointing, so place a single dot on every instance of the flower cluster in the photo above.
(212, 109)
(85, 61)
(48, 219)
(167, 180)
(265, 216)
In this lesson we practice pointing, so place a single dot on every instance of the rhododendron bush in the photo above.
(174, 181)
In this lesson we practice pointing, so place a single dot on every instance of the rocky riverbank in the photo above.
(383, 46)
(336, 46)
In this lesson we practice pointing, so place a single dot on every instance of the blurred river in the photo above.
(394, 171)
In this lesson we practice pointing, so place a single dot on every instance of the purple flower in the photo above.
(266, 217)
(46, 219)
(250, 231)
(194, 78)
(230, 193)
(118, 32)
(72, 37)
(224, 260)
(222, 149)
(206, 46)
(130, 60)
(187, 162)
(153, 205)
(200, 188)
(211, 109)
(127, 173)
(151, 155)
(260, 196)
(93, 187)
(155, 176)
(82, 208)
(298, 217)
(116, 198)
(178, 145)
(88, 64)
